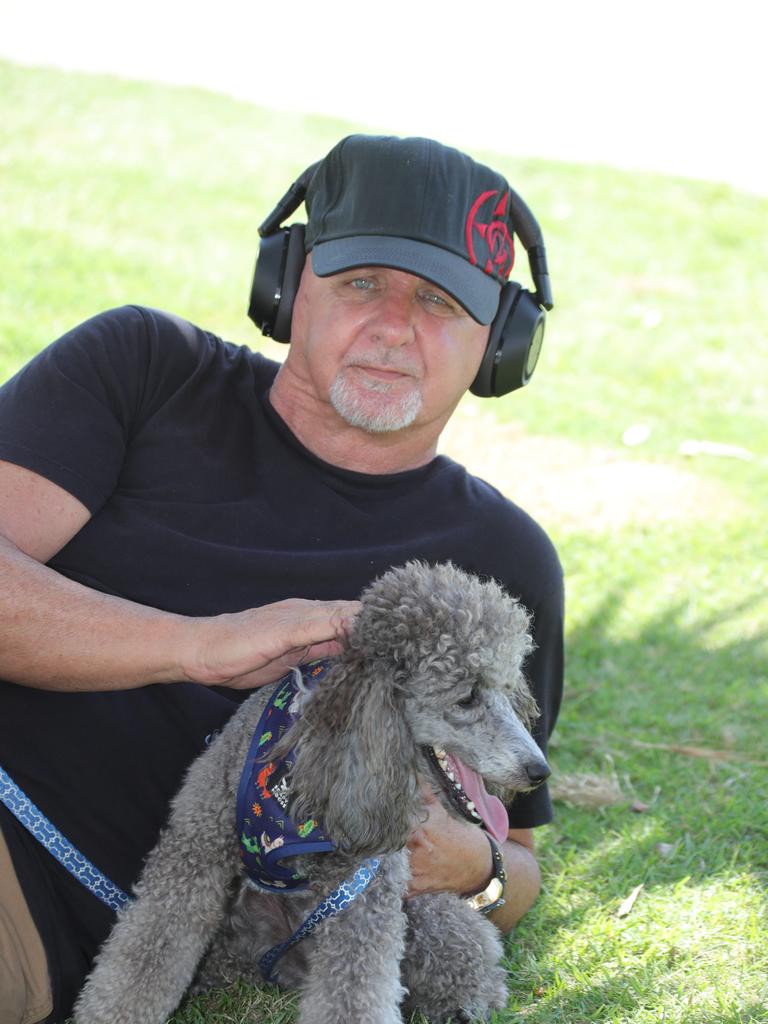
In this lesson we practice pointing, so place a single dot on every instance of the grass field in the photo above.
(114, 192)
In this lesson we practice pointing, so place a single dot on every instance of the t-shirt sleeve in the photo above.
(69, 414)
(544, 672)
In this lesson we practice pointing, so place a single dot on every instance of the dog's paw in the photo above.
(461, 1016)
(471, 1014)
(452, 968)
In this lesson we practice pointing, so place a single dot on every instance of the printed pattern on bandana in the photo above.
(267, 834)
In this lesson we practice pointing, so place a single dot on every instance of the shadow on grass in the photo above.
(596, 1003)
(696, 840)
(672, 681)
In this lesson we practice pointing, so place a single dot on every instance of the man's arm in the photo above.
(58, 634)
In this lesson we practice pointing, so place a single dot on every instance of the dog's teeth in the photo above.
(451, 776)
(470, 806)
(439, 753)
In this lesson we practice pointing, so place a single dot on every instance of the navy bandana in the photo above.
(268, 836)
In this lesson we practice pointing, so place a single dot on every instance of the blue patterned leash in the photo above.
(35, 822)
(338, 900)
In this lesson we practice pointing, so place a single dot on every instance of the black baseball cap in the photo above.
(414, 205)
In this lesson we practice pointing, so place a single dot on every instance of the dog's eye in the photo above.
(470, 700)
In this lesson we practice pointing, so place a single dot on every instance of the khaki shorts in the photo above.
(25, 990)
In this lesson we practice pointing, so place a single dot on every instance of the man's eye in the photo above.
(362, 283)
(434, 299)
(442, 305)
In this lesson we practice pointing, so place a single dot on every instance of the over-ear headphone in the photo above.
(517, 330)
(279, 264)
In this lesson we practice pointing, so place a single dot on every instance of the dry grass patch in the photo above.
(575, 486)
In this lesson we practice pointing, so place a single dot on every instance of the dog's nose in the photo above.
(537, 772)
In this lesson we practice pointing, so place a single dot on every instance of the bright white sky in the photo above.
(675, 86)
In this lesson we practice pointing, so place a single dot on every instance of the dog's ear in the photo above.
(355, 763)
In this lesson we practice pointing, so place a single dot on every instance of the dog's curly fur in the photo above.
(433, 659)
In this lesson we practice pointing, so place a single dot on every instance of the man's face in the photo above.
(385, 348)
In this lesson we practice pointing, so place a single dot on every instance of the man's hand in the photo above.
(259, 645)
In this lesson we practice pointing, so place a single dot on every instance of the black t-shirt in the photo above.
(203, 501)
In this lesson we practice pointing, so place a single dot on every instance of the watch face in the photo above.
(493, 893)
(488, 897)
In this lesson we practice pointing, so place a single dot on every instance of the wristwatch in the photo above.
(492, 895)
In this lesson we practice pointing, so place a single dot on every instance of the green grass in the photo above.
(113, 192)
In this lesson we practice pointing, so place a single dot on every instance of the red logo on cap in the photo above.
(489, 242)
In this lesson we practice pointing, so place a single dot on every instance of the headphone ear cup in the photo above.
(276, 280)
(295, 258)
(514, 344)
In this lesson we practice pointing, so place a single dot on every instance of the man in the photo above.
(180, 520)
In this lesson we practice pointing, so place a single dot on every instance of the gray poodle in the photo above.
(429, 687)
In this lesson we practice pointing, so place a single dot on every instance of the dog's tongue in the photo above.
(490, 808)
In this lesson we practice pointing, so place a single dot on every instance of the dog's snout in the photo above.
(537, 771)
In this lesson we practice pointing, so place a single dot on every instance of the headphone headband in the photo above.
(290, 202)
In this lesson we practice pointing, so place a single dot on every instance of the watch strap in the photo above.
(493, 895)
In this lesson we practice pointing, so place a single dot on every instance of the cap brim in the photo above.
(471, 287)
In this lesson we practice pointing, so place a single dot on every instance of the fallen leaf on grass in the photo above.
(723, 451)
(706, 752)
(586, 790)
(640, 806)
(665, 849)
(637, 434)
(627, 904)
